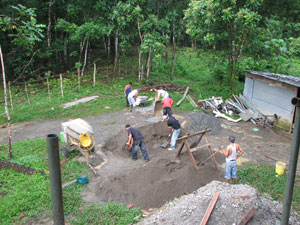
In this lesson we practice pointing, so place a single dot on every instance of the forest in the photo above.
(43, 38)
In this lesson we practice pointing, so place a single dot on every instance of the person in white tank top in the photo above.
(232, 153)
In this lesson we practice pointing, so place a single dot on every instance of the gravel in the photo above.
(233, 204)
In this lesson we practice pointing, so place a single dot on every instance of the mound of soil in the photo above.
(150, 185)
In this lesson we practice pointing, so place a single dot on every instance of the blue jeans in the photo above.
(230, 170)
(174, 138)
(142, 145)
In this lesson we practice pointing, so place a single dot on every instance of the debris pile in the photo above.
(234, 204)
(236, 106)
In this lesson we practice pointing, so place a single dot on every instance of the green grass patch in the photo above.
(264, 178)
(30, 195)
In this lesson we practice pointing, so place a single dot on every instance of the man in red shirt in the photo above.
(127, 90)
(167, 105)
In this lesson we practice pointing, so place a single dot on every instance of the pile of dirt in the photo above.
(150, 185)
(233, 204)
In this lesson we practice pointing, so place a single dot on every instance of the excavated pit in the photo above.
(151, 184)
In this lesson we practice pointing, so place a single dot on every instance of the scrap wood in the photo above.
(212, 155)
(86, 99)
(218, 114)
(94, 171)
(191, 101)
(69, 183)
(185, 93)
(247, 217)
(210, 209)
(209, 99)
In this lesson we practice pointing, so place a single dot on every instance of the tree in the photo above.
(24, 32)
(218, 21)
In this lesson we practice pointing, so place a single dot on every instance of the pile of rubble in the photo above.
(234, 204)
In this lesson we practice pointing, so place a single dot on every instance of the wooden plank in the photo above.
(180, 149)
(211, 156)
(200, 137)
(191, 154)
(200, 132)
(185, 93)
(247, 217)
(211, 152)
(191, 101)
(199, 147)
(210, 209)
(208, 99)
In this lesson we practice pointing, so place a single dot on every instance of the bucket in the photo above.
(280, 167)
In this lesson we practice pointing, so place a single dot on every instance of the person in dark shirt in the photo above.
(135, 140)
(174, 126)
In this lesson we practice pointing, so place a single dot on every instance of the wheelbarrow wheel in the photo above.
(65, 152)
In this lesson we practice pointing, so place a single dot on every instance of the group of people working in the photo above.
(136, 139)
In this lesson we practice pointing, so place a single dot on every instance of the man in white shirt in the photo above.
(132, 96)
(161, 93)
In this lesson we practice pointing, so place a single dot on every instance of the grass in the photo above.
(30, 195)
(194, 69)
(264, 178)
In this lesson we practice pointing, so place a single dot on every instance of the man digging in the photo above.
(232, 153)
(132, 97)
(174, 126)
(135, 140)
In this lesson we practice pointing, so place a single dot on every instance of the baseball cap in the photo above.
(232, 139)
(127, 125)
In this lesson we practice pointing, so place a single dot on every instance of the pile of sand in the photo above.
(150, 185)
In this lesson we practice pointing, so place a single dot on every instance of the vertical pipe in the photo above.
(55, 178)
(292, 166)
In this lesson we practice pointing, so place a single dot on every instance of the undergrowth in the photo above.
(27, 197)
(264, 178)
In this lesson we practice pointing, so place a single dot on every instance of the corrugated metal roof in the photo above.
(294, 81)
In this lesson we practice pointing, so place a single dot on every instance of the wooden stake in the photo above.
(10, 97)
(26, 91)
(210, 209)
(5, 106)
(211, 152)
(211, 156)
(78, 72)
(94, 77)
(48, 89)
(61, 86)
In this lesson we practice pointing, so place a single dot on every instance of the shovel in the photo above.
(166, 142)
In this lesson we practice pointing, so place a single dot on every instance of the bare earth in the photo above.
(151, 184)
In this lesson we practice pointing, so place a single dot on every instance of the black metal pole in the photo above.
(292, 166)
(55, 178)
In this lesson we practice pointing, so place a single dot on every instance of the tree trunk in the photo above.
(5, 105)
(85, 55)
(49, 23)
(173, 53)
(140, 65)
(105, 46)
(116, 49)
(148, 65)
(108, 46)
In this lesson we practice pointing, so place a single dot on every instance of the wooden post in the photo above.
(191, 154)
(5, 105)
(48, 85)
(247, 217)
(211, 151)
(94, 77)
(26, 92)
(61, 86)
(10, 97)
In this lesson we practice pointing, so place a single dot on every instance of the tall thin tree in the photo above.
(5, 105)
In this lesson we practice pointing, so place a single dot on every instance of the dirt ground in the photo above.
(164, 177)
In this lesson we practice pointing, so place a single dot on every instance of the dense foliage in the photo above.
(64, 35)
